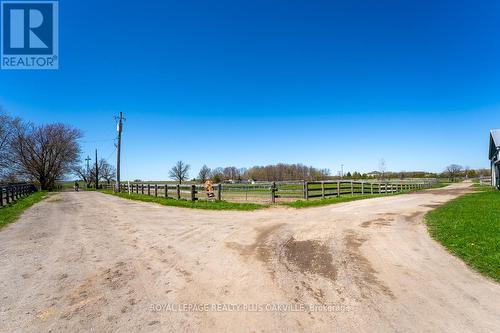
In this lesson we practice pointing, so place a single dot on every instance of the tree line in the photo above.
(278, 172)
(294, 172)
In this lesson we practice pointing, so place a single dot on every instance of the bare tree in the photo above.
(453, 171)
(7, 125)
(204, 173)
(217, 175)
(107, 172)
(84, 174)
(231, 173)
(45, 153)
(179, 172)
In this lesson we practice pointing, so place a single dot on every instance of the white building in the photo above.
(494, 156)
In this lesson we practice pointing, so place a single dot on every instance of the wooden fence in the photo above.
(485, 180)
(338, 188)
(10, 193)
(271, 192)
(177, 191)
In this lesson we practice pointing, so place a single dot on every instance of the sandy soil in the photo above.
(89, 261)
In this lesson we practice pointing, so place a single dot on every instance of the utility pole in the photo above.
(88, 168)
(118, 150)
(96, 172)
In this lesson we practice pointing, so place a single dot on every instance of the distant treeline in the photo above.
(281, 172)
(277, 172)
(289, 172)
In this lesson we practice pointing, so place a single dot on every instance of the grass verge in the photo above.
(9, 214)
(200, 204)
(469, 227)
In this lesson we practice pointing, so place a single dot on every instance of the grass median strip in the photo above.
(199, 204)
(469, 227)
(9, 214)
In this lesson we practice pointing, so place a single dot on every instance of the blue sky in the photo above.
(246, 83)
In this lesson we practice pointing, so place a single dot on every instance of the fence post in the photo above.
(379, 188)
(178, 188)
(362, 187)
(371, 187)
(166, 190)
(13, 193)
(156, 190)
(306, 190)
(219, 190)
(142, 188)
(193, 192)
(273, 192)
(352, 188)
(322, 190)
(338, 188)
(1, 196)
(149, 189)
(7, 195)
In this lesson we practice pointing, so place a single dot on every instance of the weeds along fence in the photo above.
(272, 192)
(10, 193)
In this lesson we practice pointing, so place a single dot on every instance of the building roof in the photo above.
(494, 142)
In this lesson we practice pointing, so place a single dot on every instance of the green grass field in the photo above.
(211, 205)
(469, 227)
(9, 214)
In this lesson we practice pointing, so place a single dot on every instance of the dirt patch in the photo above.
(259, 247)
(383, 220)
(436, 205)
(118, 276)
(364, 275)
(414, 217)
(310, 256)
(55, 198)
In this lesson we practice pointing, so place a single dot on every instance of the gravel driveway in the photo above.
(82, 261)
